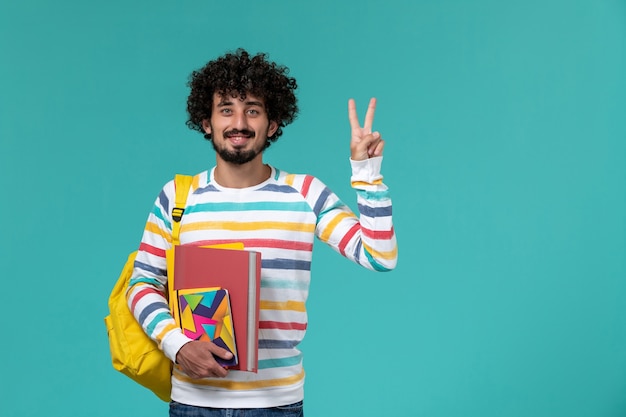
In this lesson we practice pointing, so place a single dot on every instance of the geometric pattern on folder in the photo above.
(205, 315)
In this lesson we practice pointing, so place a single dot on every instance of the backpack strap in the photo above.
(182, 183)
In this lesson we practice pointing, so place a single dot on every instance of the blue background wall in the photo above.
(506, 156)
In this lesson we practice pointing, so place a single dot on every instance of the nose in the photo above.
(240, 122)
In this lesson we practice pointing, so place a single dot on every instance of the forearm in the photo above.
(150, 308)
(376, 240)
(367, 239)
(147, 291)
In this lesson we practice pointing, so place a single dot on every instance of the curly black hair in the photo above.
(238, 74)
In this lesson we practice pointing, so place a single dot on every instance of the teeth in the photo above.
(238, 139)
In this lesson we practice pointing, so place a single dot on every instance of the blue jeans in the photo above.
(183, 410)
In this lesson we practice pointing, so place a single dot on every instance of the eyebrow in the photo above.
(254, 103)
(227, 102)
(223, 103)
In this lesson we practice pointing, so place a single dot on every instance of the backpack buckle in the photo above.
(177, 214)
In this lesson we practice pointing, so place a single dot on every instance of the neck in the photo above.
(246, 175)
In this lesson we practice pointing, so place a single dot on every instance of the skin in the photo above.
(229, 114)
(364, 143)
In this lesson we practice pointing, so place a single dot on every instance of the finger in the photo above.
(373, 143)
(211, 371)
(352, 116)
(369, 116)
(220, 352)
(378, 150)
(210, 368)
(217, 371)
(362, 150)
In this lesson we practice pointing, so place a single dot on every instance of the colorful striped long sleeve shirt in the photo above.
(279, 218)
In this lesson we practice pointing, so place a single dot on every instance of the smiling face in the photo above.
(239, 128)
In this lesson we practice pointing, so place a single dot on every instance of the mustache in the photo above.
(236, 132)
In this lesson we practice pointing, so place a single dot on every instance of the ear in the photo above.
(273, 127)
(206, 125)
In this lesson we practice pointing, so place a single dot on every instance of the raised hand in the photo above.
(364, 143)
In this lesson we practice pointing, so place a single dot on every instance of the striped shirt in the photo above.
(279, 218)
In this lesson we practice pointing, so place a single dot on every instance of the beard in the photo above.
(239, 156)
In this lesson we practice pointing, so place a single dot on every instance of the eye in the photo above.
(225, 111)
(253, 112)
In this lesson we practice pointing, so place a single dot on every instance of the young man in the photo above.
(241, 103)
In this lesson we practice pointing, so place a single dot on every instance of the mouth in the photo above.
(239, 138)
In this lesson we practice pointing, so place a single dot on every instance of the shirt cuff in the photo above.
(172, 343)
(367, 170)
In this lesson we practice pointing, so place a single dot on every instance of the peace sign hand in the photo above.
(364, 143)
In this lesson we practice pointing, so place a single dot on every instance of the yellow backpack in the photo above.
(133, 353)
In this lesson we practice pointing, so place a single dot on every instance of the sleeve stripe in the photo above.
(376, 265)
(152, 250)
(357, 251)
(151, 308)
(150, 268)
(149, 281)
(306, 185)
(166, 330)
(375, 211)
(347, 237)
(373, 195)
(328, 230)
(158, 319)
(140, 295)
(378, 234)
(320, 201)
(392, 254)
(165, 203)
